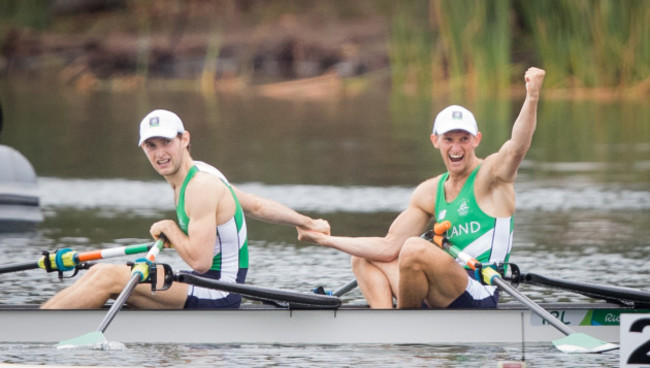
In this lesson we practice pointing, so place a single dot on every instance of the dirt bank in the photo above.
(199, 40)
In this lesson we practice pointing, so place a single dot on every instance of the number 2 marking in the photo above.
(640, 355)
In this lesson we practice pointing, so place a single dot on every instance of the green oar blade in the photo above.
(582, 343)
(91, 339)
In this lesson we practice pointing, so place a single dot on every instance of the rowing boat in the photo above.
(286, 317)
(265, 324)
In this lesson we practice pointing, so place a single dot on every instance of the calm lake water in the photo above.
(583, 197)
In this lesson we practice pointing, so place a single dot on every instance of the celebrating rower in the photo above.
(476, 195)
(210, 235)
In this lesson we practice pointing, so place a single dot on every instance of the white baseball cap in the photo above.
(455, 117)
(160, 123)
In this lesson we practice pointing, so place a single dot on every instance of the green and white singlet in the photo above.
(486, 238)
(230, 251)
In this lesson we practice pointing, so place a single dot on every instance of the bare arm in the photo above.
(196, 247)
(274, 212)
(411, 222)
(505, 163)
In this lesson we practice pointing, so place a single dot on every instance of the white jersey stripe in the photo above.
(498, 241)
(502, 240)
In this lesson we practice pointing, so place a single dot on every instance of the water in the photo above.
(582, 193)
(307, 356)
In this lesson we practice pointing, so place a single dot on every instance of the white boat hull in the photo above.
(280, 326)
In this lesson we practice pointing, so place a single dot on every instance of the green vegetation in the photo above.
(433, 46)
(29, 13)
(481, 46)
(590, 43)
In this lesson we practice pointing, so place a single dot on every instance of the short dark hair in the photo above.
(189, 145)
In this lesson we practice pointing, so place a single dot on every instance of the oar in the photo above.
(262, 293)
(607, 292)
(345, 288)
(67, 259)
(573, 342)
(140, 272)
(338, 292)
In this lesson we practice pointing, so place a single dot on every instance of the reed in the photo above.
(590, 43)
(475, 36)
(410, 50)
(478, 47)
(450, 46)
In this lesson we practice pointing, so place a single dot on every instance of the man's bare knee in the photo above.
(357, 262)
(108, 276)
(412, 251)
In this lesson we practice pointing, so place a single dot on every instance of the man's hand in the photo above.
(318, 225)
(311, 236)
(165, 227)
(534, 78)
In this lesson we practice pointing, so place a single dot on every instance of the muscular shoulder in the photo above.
(203, 180)
(424, 195)
(492, 174)
(204, 188)
(494, 188)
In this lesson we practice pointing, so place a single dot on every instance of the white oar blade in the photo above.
(94, 340)
(583, 343)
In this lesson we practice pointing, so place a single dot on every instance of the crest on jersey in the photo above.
(463, 208)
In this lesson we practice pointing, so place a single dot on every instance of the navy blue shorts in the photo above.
(206, 298)
(231, 301)
(476, 295)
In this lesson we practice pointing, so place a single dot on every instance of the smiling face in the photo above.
(167, 155)
(457, 148)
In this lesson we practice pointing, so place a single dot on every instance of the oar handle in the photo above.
(156, 248)
(137, 275)
(143, 266)
(67, 259)
(114, 252)
(455, 252)
(439, 228)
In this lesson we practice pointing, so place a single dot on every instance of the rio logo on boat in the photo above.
(585, 317)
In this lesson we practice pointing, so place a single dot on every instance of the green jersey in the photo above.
(486, 238)
(230, 251)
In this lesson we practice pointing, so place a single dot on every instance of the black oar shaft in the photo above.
(592, 290)
(19, 267)
(501, 283)
(257, 292)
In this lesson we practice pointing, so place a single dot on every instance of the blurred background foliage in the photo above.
(420, 47)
